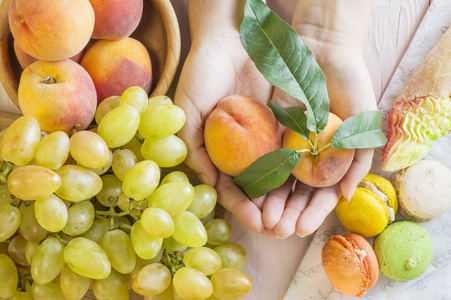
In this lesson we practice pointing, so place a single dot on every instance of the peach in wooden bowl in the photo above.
(158, 31)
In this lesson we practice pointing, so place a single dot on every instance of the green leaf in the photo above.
(285, 61)
(360, 131)
(292, 117)
(268, 172)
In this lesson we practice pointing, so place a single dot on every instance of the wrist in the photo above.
(330, 23)
(218, 17)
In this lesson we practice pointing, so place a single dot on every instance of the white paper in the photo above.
(310, 280)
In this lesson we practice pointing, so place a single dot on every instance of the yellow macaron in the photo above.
(372, 207)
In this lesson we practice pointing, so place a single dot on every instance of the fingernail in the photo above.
(280, 238)
(269, 227)
(301, 236)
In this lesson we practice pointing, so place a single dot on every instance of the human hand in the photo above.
(338, 48)
(217, 66)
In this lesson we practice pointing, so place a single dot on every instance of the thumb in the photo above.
(192, 133)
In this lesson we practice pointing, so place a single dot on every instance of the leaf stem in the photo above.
(324, 147)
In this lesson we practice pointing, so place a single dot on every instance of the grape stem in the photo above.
(172, 261)
(139, 138)
(61, 239)
(24, 280)
(5, 172)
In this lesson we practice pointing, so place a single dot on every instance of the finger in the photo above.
(192, 133)
(259, 202)
(270, 233)
(359, 168)
(321, 204)
(274, 203)
(235, 201)
(295, 206)
(284, 100)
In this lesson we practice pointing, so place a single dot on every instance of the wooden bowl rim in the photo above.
(173, 41)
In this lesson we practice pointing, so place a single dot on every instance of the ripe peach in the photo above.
(326, 167)
(26, 59)
(51, 30)
(239, 131)
(115, 65)
(59, 94)
(116, 19)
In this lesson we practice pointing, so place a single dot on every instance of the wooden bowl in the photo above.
(158, 31)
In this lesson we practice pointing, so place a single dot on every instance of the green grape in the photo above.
(53, 150)
(33, 182)
(171, 245)
(219, 231)
(5, 194)
(73, 286)
(51, 213)
(140, 263)
(111, 188)
(165, 295)
(152, 280)
(135, 146)
(20, 141)
(208, 217)
(87, 258)
(106, 167)
(9, 221)
(8, 277)
(119, 249)
(189, 230)
(48, 261)
(161, 121)
(123, 201)
(156, 100)
(135, 96)
(104, 107)
(233, 255)
(157, 222)
(166, 152)
(146, 246)
(230, 284)
(89, 149)
(203, 259)
(114, 287)
(204, 201)
(78, 183)
(173, 197)
(80, 218)
(29, 225)
(97, 230)
(174, 176)
(30, 251)
(123, 160)
(192, 284)
(51, 290)
(16, 250)
(119, 126)
(19, 295)
(141, 180)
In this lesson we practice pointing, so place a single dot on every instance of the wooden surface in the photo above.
(272, 263)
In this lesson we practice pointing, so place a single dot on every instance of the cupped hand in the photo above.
(218, 66)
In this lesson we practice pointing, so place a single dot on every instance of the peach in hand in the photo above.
(51, 30)
(239, 131)
(319, 168)
(59, 94)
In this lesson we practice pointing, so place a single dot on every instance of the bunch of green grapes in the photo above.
(92, 210)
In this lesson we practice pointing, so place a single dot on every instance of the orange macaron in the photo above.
(350, 264)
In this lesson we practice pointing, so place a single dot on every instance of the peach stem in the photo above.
(49, 80)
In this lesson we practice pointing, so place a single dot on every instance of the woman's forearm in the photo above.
(335, 22)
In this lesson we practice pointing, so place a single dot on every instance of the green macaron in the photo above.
(403, 250)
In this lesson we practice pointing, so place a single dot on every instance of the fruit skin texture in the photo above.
(239, 131)
(403, 250)
(51, 30)
(350, 264)
(116, 19)
(366, 213)
(26, 59)
(327, 167)
(69, 101)
(115, 65)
